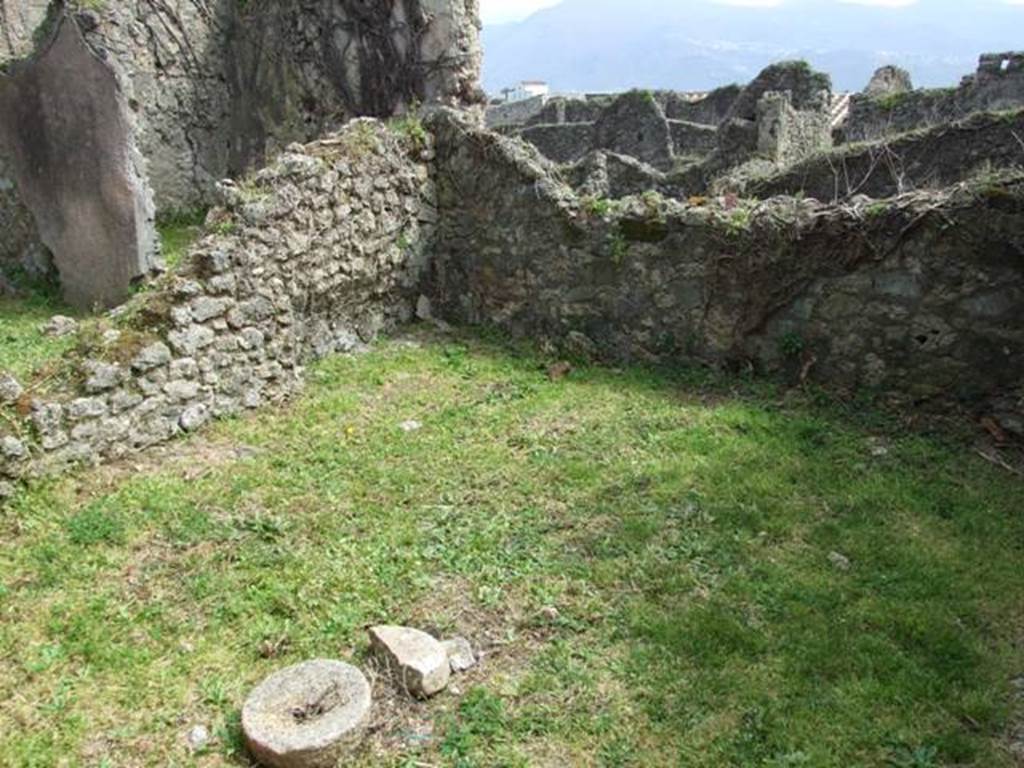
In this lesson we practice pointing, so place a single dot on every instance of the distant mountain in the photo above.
(612, 45)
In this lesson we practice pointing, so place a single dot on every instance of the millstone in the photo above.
(307, 716)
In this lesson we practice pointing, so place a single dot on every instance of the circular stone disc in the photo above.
(307, 715)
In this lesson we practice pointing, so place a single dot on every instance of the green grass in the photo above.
(24, 348)
(679, 525)
(178, 234)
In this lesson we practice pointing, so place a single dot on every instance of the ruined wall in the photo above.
(786, 135)
(938, 157)
(169, 96)
(692, 139)
(997, 85)
(901, 301)
(218, 86)
(67, 137)
(22, 253)
(19, 20)
(514, 114)
(563, 142)
(710, 109)
(21, 250)
(318, 253)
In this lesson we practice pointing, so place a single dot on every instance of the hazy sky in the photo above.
(500, 11)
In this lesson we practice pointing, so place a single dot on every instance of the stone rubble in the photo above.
(419, 661)
(198, 737)
(460, 654)
(10, 389)
(59, 326)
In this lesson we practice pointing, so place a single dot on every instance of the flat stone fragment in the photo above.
(59, 325)
(419, 660)
(460, 654)
(10, 389)
(307, 716)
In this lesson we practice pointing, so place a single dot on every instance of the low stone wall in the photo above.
(514, 114)
(711, 109)
(318, 253)
(342, 238)
(562, 143)
(899, 300)
(692, 139)
(931, 159)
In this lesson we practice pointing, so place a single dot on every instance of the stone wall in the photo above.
(932, 159)
(22, 253)
(709, 109)
(997, 85)
(342, 238)
(220, 86)
(782, 116)
(317, 253)
(786, 135)
(514, 114)
(692, 139)
(901, 300)
(19, 20)
(562, 143)
(209, 89)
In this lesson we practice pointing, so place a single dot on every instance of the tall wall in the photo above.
(219, 85)
(317, 253)
(22, 253)
(68, 139)
(19, 20)
(206, 89)
(900, 301)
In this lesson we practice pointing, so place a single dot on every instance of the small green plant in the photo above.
(618, 247)
(652, 203)
(876, 209)
(738, 221)
(481, 717)
(904, 756)
(645, 94)
(360, 138)
(226, 227)
(411, 128)
(891, 101)
(598, 206)
(792, 344)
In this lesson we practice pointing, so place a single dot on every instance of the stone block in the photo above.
(419, 662)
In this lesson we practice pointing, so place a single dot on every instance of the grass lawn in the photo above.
(22, 347)
(648, 560)
(177, 235)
